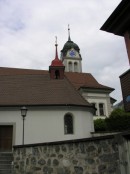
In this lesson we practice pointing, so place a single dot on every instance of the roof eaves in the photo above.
(46, 105)
(119, 21)
(97, 88)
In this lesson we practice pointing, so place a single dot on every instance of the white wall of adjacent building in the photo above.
(47, 125)
(97, 99)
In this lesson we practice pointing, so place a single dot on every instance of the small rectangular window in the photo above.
(101, 109)
(95, 112)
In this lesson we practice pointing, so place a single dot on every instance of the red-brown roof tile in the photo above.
(34, 87)
(85, 80)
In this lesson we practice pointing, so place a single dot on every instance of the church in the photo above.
(60, 103)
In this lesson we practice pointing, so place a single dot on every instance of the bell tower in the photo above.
(70, 56)
(56, 68)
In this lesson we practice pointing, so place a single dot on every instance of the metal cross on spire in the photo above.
(69, 33)
(56, 56)
(56, 41)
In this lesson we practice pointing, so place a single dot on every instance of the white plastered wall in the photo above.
(47, 125)
(66, 63)
(99, 98)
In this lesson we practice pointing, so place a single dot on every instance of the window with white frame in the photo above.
(101, 109)
(68, 124)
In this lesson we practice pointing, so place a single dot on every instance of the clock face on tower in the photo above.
(72, 53)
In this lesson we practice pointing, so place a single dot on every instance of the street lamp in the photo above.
(23, 114)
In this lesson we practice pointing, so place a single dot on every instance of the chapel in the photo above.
(61, 102)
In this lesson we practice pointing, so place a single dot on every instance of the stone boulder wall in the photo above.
(86, 156)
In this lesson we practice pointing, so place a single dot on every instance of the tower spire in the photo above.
(56, 54)
(69, 33)
(56, 68)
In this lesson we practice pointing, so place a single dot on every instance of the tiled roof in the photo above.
(34, 87)
(85, 80)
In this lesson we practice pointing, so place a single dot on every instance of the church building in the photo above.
(85, 83)
(60, 102)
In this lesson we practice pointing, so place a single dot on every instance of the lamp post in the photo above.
(23, 114)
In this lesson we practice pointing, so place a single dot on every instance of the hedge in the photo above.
(119, 120)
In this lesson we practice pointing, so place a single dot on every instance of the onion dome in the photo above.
(69, 45)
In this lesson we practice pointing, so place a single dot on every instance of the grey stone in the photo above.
(42, 161)
(21, 163)
(99, 150)
(82, 149)
(112, 169)
(33, 161)
(53, 155)
(49, 162)
(57, 149)
(60, 156)
(78, 170)
(108, 157)
(75, 162)
(90, 161)
(17, 158)
(27, 161)
(70, 147)
(88, 157)
(55, 162)
(16, 166)
(63, 148)
(102, 168)
(45, 149)
(36, 168)
(60, 171)
(35, 151)
(47, 170)
(91, 148)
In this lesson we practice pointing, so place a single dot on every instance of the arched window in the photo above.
(75, 67)
(68, 124)
(70, 66)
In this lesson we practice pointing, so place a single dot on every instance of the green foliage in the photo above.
(116, 113)
(99, 125)
(119, 120)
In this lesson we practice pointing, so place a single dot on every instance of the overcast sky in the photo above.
(28, 29)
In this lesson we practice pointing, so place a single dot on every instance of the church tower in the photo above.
(70, 56)
(56, 69)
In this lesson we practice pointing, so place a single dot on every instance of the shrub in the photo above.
(99, 125)
(119, 120)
